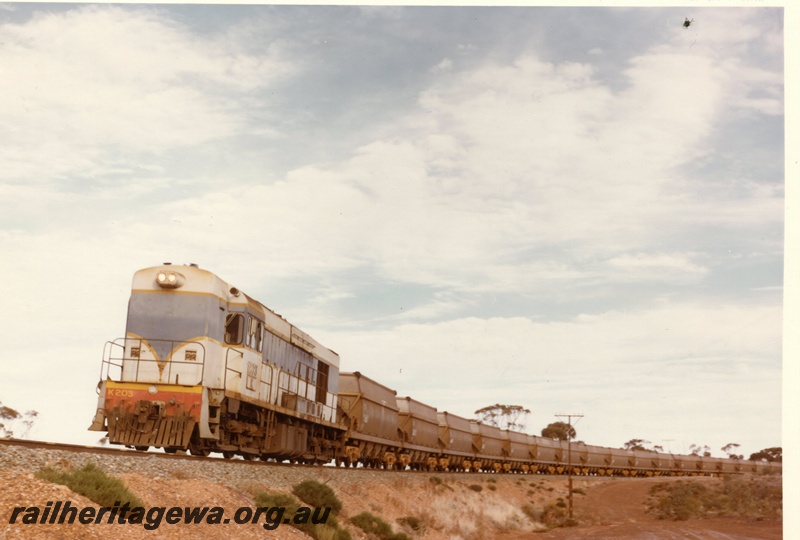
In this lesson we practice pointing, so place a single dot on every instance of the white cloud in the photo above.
(443, 304)
(499, 165)
(91, 81)
(444, 65)
(655, 267)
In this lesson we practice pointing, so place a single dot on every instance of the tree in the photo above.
(768, 454)
(560, 431)
(504, 416)
(636, 444)
(730, 449)
(696, 449)
(641, 444)
(9, 416)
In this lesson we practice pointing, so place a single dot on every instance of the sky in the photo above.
(575, 210)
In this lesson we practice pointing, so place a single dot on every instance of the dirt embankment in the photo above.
(620, 508)
(431, 506)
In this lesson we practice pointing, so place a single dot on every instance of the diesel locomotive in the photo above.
(204, 367)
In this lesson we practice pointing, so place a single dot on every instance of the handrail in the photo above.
(227, 362)
(113, 359)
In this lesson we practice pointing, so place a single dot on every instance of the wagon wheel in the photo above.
(227, 454)
(202, 452)
(142, 448)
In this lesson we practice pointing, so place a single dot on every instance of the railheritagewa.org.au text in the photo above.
(64, 512)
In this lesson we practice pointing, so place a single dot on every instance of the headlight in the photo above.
(170, 280)
(153, 389)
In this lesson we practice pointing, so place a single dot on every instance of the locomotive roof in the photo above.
(197, 281)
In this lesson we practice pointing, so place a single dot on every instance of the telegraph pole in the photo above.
(569, 418)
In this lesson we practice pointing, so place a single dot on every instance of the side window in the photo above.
(322, 382)
(255, 334)
(305, 373)
(234, 328)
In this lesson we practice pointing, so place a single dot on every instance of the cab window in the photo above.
(234, 328)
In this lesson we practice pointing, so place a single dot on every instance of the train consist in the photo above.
(205, 368)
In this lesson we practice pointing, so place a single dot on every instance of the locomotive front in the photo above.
(152, 380)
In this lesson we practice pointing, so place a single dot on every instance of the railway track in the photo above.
(184, 456)
(27, 443)
(128, 452)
